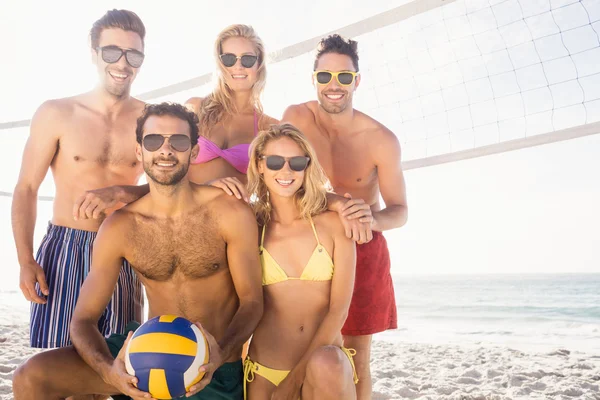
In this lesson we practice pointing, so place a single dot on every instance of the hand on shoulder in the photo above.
(331, 221)
(232, 186)
(217, 197)
(357, 219)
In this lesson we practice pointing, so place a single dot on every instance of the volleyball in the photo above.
(164, 354)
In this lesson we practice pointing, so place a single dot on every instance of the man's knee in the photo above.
(30, 376)
(328, 368)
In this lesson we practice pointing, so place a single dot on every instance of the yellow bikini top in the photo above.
(319, 266)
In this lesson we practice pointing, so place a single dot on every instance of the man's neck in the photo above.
(170, 200)
(108, 104)
(335, 124)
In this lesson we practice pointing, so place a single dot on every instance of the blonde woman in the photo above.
(308, 267)
(230, 117)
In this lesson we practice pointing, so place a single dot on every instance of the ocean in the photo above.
(540, 313)
(525, 312)
(528, 312)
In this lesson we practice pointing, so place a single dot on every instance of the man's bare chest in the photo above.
(346, 163)
(107, 145)
(161, 251)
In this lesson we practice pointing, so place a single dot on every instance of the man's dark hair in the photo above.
(122, 19)
(173, 110)
(338, 45)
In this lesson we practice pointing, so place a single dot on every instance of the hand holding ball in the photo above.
(165, 354)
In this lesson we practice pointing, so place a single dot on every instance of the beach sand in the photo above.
(417, 371)
(423, 371)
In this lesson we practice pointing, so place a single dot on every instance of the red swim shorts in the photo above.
(373, 306)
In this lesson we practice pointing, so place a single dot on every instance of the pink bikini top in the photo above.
(237, 155)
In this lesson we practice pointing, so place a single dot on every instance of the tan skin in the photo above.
(361, 157)
(194, 249)
(301, 317)
(233, 130)
(237, 128)
(87, 142)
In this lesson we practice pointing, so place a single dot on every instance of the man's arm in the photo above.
(241, 235)
(355, 215)
(93, 203)
(391, 184)
(95, 293)
(356, 229)
(238, 228)
(40, 149)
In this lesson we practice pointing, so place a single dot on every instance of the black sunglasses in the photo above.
(178, 142)
(229, 60)
(298, 163)
(112, 54)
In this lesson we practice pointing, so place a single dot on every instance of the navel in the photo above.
(301, 328)
(359, 180)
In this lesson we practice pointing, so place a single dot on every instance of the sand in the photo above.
(419, 371)
(444, 372)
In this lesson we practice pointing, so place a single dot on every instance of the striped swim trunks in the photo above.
(65, 255)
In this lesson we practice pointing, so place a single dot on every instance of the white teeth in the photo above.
(239, 76)
(334, 96)
(282, 182)
(165, 164)
(121, 76)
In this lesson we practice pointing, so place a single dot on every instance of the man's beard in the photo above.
(163, 178)
(117, 90)
(334, 108)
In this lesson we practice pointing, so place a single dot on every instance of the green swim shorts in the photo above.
(227, 382)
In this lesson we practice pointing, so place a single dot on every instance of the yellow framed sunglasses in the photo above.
(344, 78)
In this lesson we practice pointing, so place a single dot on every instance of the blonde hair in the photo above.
(310, 198)
(220, 102)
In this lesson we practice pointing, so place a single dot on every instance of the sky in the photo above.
(533, 210)
(45, 44)
(527, 211)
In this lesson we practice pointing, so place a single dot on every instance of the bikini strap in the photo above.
(255, 123)
(314, 230)
(262, 237)
(249, 368)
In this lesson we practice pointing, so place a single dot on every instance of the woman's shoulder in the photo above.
(329, 221)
